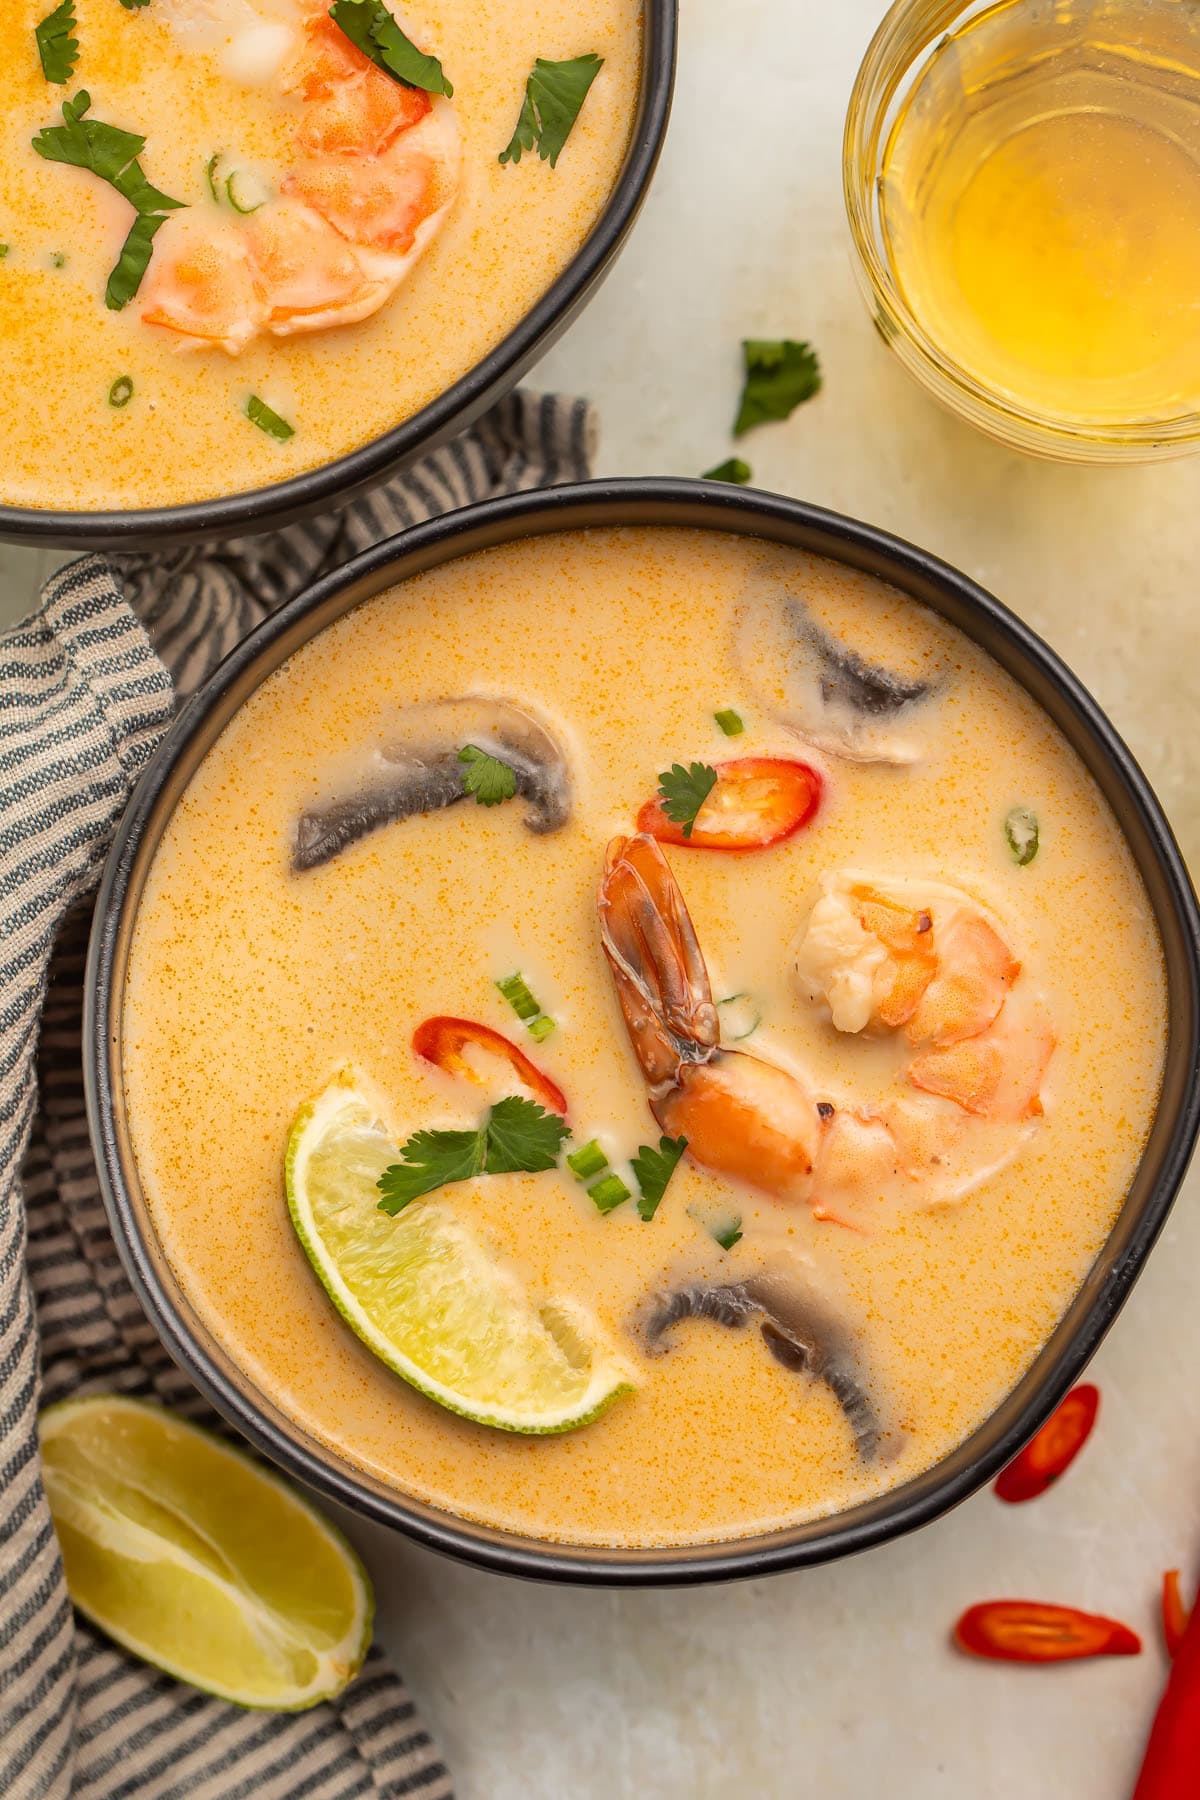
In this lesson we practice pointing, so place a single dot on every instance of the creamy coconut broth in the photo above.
(251, 985)
(460, 247)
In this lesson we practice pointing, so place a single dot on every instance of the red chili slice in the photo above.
(1169, 1771)
(757, 801)
(442, 1041)
(1054, 1448)
(1034, 1631)
(1174, 1612)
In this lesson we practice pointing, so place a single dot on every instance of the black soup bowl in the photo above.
(705, 506)
(268, 508)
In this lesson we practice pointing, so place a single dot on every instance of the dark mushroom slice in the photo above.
(420, 772)
(825, 689)
(797, 1329)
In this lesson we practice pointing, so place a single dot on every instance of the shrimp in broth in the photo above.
(376, 172)
(933, 964)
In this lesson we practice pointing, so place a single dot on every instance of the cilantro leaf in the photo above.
(133, 5)
(554, 95)
(112, 154)
(728, 1235)
(134, 260)
(489, 779)
(521, 1135)
(654, 1169)
(732, 469)
(518, 1136)
(684, 791)
(432, 1159)
(58, 47)
(780, 374)
(268, 420)
(372, 29)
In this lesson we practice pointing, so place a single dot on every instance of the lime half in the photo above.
(426, 1294)
(198, 1560)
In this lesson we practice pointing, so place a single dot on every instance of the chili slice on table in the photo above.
(442, 1040)
(1171, 1769)
(757, 801)
(1174, 1612)
(1052, 1449)
(1036, 1631)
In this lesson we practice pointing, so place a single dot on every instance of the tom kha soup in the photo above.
(636, 1036)
(242, 238)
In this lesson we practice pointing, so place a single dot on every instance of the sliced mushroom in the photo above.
(820, 685)
(797, 1329)
(420, 772)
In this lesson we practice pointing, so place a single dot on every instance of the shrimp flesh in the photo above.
(375, 175)
(965, 1104)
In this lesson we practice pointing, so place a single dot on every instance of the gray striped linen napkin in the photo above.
(87, 687)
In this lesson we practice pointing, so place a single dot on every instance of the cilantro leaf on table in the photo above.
(684, 791)
(112, 154)
(554, 94)
(485, 776)
(732, 469)
(780, 375)
(58, 47)
(654, 1169)
(372, 29)
(518, 1136)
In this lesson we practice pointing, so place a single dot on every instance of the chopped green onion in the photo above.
(588, 1160)
(260, 414)
(4, 249)
(1021, 830)
(728, 1235)
(730, 722)
(608, 1193)
(739, 1024)
(58, 260)
(210, 172)
(121, 392)
(238, 205)
(516, 992)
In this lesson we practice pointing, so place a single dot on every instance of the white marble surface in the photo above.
(839, 1683)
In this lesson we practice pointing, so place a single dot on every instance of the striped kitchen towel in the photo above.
(87, 686)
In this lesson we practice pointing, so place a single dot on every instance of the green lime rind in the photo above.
(120, 1525)
(423, 1292)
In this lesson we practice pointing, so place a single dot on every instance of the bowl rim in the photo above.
(261, 509)
(708, 506)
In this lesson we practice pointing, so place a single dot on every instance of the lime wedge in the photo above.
(426, 1294)
(198, 1560)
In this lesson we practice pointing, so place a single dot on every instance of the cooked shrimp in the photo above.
(929, 960)
(376, 174)
(967, 1100)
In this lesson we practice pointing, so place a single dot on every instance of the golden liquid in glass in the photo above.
(1040, 198)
